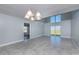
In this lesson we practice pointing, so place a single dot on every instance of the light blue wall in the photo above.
(36, 29)
(75, 26)
(11, 29)
(66, 28)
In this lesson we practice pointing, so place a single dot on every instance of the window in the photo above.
(52, 30)
(58, 30)
(55, 28)
(52, 19)
(58, 18)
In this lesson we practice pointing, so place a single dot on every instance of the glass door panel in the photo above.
(52, 19)
(52, 30)
(58, 30)
(55, 30)
(58, 18)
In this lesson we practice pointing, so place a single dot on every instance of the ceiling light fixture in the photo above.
(31, 16)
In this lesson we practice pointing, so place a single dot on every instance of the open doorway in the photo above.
(26, 31)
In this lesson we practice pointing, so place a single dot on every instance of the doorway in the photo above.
(26, 31)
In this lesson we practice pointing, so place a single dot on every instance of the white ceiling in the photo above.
(19, 10)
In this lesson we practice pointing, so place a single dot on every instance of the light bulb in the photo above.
(38, 18)
(27, 16)
(32, 18)
(29, 13)
(38, 14)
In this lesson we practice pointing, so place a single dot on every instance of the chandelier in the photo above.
(30, 15)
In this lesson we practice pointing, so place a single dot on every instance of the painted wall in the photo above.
(75, 26)
(36, 29)
(66, 28)
(47, 29)
(11, 29)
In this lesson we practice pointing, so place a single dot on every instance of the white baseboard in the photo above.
(9, 43)
(61, 36)
(32, 37)
(66, 37)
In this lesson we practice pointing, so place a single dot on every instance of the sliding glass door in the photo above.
(55, 30)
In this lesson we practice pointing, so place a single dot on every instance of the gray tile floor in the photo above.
(40, 46)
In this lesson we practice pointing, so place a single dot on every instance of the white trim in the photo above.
(35, 36)
(66, 36)
(9, 43)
